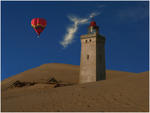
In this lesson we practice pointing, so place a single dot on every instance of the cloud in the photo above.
(71, 30)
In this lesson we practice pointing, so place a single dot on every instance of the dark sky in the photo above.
(124, 24)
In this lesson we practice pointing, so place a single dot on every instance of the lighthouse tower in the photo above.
(92, 61)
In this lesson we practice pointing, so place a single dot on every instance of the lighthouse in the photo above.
(92, 60)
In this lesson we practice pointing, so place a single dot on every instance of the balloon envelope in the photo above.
(38, 24)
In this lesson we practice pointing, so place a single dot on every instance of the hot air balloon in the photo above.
(38, 24)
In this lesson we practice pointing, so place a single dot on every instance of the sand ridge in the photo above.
(122, 91)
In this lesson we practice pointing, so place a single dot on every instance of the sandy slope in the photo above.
(122, 91)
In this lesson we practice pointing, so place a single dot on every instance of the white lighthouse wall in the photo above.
(88, 60)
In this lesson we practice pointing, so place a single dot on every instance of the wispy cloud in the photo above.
(71, 30)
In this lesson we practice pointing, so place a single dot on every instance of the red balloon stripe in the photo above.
(38, 24)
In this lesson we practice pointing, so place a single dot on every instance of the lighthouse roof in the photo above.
(93, 23)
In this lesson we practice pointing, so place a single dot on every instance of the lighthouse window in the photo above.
(87, 57)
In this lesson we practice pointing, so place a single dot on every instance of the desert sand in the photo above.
(120, 92)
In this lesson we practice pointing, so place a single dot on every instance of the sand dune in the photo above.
(122, 91)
